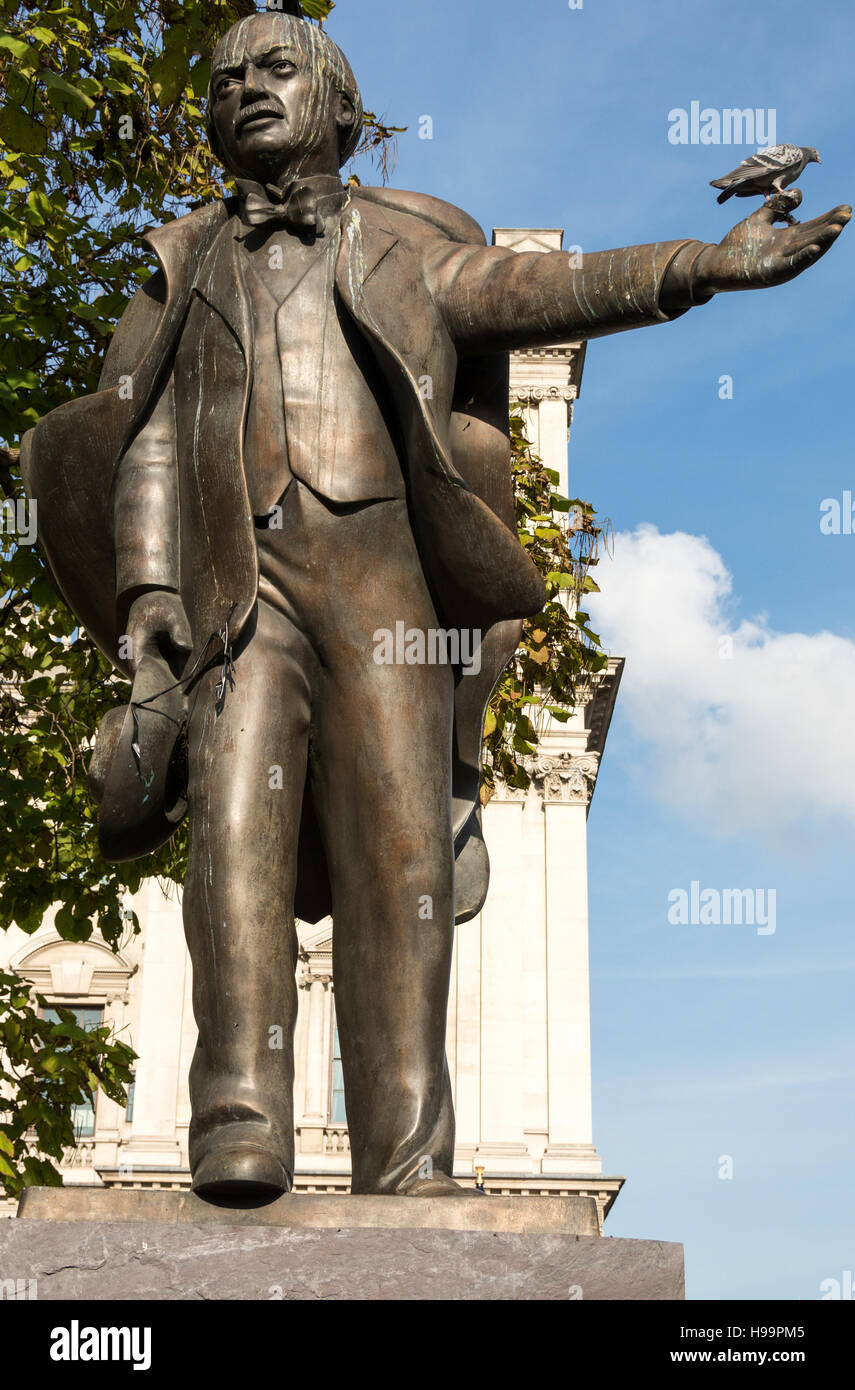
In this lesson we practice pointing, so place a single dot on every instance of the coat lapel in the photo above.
(365, 242)
(180, 247)
(364, 259)
(221, 284)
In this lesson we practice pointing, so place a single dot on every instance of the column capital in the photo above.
(309, 977)
(565, 778)
(561, 778)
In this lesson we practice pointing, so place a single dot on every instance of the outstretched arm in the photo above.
(494, 299)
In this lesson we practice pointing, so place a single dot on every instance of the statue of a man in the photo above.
(299, 442)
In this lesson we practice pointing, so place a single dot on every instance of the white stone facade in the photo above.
(518, 1021)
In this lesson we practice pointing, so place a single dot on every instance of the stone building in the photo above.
(518, 1022)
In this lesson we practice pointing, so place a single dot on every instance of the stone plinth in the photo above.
(303, 1211)
(91, 1243)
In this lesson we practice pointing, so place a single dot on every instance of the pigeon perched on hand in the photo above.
(768, 172)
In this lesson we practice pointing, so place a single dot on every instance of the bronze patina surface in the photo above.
(260, 485)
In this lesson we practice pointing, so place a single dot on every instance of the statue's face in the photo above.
(274, 111)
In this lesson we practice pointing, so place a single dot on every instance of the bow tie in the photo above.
(300, 205)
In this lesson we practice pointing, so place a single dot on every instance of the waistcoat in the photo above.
(318, 409)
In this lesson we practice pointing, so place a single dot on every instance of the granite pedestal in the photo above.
(102, 1243)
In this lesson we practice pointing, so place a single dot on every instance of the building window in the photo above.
(129, 1110)
(85, 1016)
(337, 1111)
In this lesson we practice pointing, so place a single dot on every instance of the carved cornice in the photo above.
(547, 374)
(564, 352)
(600, 708)
(533, 395)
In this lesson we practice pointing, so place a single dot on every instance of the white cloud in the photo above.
(762, 741)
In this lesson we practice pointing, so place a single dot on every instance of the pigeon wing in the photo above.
(776, 157)
(770, 161)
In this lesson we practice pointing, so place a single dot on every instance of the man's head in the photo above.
(282, 101)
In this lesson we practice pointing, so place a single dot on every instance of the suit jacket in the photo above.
(432, 301)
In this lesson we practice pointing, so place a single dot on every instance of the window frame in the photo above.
(78, 1007)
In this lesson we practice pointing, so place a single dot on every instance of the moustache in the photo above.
(257, 108)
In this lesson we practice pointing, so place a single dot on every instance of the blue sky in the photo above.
(708, 1041)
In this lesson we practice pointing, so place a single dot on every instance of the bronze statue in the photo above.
(300, 438)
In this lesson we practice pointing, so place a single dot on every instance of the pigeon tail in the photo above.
(723, 197)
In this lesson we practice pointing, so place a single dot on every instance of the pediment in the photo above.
(316, 937)
(72, 969)
(529, 238)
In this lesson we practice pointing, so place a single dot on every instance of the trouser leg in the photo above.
(247, 773)
(386, 818)
(380, 764)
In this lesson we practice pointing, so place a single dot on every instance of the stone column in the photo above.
(189, 1036)
(316, 1103)
(505, 919)
(315, 1054)
(467, 1051)
(301, 1044)
(154, 1142)
(451, 1023)
(565, 782)
(535, 1115)
(553, 428)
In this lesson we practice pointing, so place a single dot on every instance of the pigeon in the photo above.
(287, 7)
(768, 172)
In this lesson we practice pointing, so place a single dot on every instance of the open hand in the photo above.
(755, 253)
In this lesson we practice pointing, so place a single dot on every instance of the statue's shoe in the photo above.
(243, 1171)
(440, 1185)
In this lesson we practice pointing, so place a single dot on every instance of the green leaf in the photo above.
(318, 9)
(118, 55)
(20, 51)
(66, 95)
(70, 1030)
(169, 75)
(20, 132)
(200, 76)
(40, 205)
